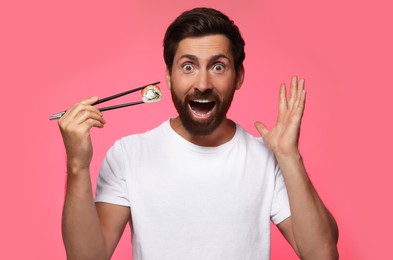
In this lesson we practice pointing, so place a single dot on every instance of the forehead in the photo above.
(205, 46)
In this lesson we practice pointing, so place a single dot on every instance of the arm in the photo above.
(89, 231)
(311, 229)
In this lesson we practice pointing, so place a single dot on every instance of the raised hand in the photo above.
(75, 127)
(284, 137)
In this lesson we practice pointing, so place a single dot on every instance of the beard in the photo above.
(206, 126)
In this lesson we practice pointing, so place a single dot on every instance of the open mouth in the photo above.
(202, 107)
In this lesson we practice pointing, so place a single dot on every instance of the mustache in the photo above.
(208, 93)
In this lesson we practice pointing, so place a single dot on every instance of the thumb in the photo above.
(90, 101)
(262, 129)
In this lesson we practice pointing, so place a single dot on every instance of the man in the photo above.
(198, 186)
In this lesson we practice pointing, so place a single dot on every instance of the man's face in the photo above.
(203, 82)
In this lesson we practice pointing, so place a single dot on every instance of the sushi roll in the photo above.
(151, 93)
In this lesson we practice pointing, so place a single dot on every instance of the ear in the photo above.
(240, 77)
(168, 79)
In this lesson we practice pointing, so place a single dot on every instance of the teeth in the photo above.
(199, 114)
(202, 101)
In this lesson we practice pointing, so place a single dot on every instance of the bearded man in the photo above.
(198, 186)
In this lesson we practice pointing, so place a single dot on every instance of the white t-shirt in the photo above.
(191, 202)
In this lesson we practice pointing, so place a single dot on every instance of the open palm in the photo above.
(284, 137)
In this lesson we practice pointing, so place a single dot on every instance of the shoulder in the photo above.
(153, 133)
(251, 140)
(255, 147)
(132, 142)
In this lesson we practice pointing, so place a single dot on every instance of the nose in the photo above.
(203, 81)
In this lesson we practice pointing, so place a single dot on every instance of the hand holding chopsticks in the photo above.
(150, 93)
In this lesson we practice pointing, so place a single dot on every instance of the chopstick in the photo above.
(58, 115)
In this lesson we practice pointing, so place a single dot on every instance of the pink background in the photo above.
(54, 53)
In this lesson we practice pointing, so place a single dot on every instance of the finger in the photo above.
(283, 105)
(80, 113)
(262, 129)
(292, 97)
(302, 102)
(81, 125)
(88, 101)
(81, 106)
(89, 114)
(90, 123)
(299, 93)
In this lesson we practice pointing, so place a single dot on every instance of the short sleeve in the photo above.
(112, 184)
(280, 206)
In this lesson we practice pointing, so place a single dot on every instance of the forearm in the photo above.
(315, 230)
(82, 234)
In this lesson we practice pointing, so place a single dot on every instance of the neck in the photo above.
(222, 134)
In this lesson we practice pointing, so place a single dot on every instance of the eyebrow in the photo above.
(194, 58)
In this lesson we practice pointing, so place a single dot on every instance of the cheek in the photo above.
(177, 90)
(181, 86)
(225, 86)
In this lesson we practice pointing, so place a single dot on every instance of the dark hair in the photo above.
(202, 22)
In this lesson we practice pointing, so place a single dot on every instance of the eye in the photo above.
(218, 67)
(187, 68)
